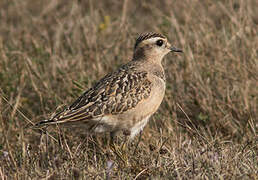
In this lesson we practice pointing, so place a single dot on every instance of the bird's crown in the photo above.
(146, 36)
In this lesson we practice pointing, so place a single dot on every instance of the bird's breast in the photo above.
(157, 94)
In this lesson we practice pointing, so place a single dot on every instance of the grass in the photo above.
(206, 127)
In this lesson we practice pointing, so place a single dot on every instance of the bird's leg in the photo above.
(112, 141)
(113, 145)
(126, 137)
(124, 147)
(121, 152)
(138, 142)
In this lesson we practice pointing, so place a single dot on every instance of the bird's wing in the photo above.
(115, 93)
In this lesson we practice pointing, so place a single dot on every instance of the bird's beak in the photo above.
(174, 49)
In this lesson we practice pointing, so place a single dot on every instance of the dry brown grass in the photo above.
(206, 127)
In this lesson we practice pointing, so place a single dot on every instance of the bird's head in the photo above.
(153, 46)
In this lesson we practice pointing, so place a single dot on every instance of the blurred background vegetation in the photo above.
(51, 51)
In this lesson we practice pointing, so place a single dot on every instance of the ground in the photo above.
(206, 127)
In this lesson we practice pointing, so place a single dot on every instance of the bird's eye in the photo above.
(159, 42)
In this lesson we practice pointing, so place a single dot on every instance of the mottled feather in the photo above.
(115, 93)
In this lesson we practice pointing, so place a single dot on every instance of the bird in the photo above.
(125, 99)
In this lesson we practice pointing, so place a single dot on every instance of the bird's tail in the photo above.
(45, 123)
(39, 125)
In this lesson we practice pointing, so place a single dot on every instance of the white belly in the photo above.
(139, 127)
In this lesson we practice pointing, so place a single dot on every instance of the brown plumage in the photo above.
(125, 99)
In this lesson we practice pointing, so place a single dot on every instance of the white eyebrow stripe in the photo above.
(153, 40)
